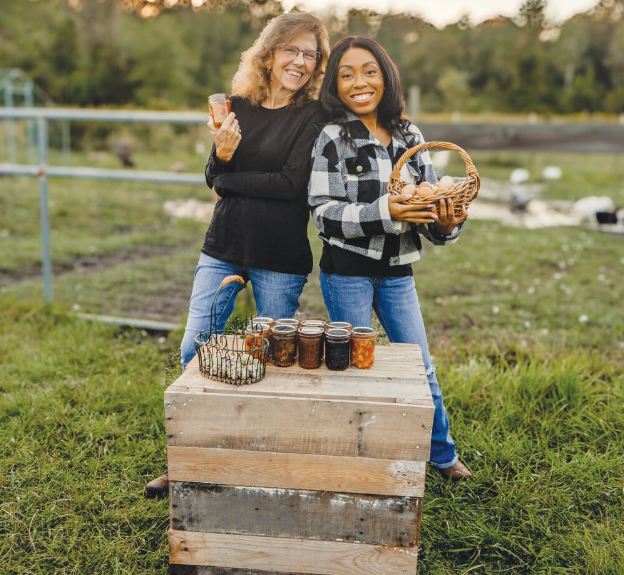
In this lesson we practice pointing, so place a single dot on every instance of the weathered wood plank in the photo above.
(289, 555)
(297, 471)
(299, 425)
(318, 386)
(295, 514)
(398, 374)
(208, 570)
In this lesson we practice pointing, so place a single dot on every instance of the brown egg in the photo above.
(425, 184)
(446, 182)
(410, 189)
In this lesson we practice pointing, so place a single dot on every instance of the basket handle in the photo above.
(229, 279)
(470, 167)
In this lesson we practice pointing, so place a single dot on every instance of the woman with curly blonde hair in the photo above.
(253, 78)
(259, 168)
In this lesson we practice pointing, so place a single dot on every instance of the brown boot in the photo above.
(456, 472)
(158, 487)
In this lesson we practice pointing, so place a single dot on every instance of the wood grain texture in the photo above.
(295, 514)
(398, 376)
(299, 425)
(288, 555)
(297, 471)
(209, 570)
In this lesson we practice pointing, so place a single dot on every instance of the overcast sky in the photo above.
(442, 12)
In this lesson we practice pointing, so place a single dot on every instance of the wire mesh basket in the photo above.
(236, 354)
(462, 192)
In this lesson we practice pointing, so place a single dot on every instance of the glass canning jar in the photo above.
(313, 323)
(310, 347)
(363, 347)
(219, 105)
(284, 345)
(262, 319)
(339, 325)
(255, 334)
(337, 349)
(288, 321)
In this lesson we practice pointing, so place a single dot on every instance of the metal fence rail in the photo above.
(43, 171)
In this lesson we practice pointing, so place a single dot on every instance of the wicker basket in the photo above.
(462, 192)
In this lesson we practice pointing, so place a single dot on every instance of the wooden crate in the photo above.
(306, 471)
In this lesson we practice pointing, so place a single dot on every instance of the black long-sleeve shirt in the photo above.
(263, 217)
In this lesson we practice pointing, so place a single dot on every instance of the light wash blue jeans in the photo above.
(352, 298)
(276, 295)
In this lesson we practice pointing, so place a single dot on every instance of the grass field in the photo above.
(527, 332)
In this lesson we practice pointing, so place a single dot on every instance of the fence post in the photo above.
(42, 143)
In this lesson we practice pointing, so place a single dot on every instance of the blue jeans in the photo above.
(352, 299)
(276, 295)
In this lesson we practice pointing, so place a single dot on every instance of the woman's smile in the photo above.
(362, 98)
(360, 82)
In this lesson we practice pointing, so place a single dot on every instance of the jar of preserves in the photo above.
(363, 347)
(337, 349)
(263, 319)
(284, 345)
(219, 105)
(339, 325)
(310, 347)
(255, 336)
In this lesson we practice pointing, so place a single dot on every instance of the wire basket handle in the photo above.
(471, 171)
(229, 279)
(213, 310)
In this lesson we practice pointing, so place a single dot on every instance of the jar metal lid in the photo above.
(257, 326)
(337, 333)
(339, 325)
(310, 331)
(363, 331)
(287, 321)
(261, 319)
(284, 329)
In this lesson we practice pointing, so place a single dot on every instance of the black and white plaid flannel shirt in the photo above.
(347, 193)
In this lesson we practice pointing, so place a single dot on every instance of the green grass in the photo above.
(526, 328)
(534, 397)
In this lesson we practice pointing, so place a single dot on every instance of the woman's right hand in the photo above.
(227, 137)
(402, 212)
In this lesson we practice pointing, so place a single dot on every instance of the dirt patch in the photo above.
(86, 264)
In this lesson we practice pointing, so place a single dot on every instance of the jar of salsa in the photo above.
(310, 347)
(284, 345)
(339, 325)
(256, 335)
(337, 349)
(219, 105)
(363, 347)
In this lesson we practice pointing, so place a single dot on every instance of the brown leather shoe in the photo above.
(158, 487)
(456, 472)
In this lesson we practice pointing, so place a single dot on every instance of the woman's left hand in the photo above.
(448, 221)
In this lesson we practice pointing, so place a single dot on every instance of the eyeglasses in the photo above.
(292, 52)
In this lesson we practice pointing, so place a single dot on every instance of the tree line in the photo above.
(99, 56)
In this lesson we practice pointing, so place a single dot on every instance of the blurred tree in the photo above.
(454, 88)
(99, 56)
